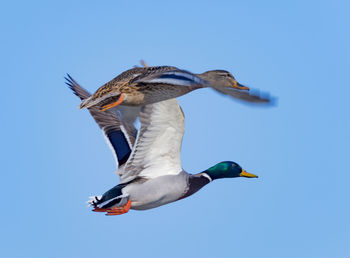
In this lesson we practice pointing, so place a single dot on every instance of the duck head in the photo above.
(222, 78)
(227, 169)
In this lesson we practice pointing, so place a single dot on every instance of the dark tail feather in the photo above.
(110, 198)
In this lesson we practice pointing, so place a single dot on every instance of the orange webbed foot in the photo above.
(99, 210)
(119, 210)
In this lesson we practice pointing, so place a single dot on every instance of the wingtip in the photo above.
(273, 101)
(143, 63)
(266, 98)
(69, 81)
(76, 88)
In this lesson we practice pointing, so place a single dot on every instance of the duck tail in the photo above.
(111, 198)
(93, 200)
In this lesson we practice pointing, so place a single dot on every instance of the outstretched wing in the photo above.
(252, 96)
(120, 133)
(102, 92)
(158, 144)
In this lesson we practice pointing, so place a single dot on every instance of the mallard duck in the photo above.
(150, 168)
(150, 84)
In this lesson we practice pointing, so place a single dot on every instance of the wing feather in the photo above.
(173, 76)
(158, 144)
(120, 134)
(252, 96)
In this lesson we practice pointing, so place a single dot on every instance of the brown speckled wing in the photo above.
(121, 79)
(152, 71)
(168, 75)
(120, 134)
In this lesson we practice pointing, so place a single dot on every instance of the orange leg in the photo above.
(119, 210)
(114, 104)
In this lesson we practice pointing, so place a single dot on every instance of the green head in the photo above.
(227, 169)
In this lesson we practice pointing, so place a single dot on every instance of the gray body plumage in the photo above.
(164, 189)
(157, 191)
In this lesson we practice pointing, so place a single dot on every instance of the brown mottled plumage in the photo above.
(151, 84)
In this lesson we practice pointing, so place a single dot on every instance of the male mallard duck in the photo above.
(150, 167)
(150, 84)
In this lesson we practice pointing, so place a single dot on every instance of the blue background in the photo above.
(53, 155)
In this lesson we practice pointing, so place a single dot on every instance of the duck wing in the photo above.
(175, 76)
(158, 143)
(116, 124)
(252, 96)
(169, 75)
(108, 89)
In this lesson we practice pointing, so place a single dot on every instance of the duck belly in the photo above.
(157, 191)
(164, 92)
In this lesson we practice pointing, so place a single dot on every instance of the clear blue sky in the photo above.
(53, 155)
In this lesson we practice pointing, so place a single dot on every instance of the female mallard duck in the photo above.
(151, 84)
(150, 167)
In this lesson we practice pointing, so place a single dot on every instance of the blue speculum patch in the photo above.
(120, 146)
(174, 76)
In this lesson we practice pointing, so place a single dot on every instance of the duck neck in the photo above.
(205, 77)
(215, 172)
(196, 182)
